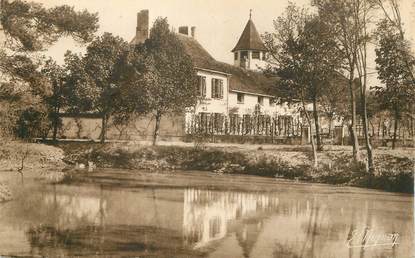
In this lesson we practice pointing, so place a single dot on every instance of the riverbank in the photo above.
(20, 160)
(394, 167)
(17, 155)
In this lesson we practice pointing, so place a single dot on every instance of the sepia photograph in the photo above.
(207, 128)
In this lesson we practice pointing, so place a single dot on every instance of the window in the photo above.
(236, 55)
(261, 100)
(244, 55)
(201, 80)
(255, 54)
(272, 101)
(240, 98)
(217, 88)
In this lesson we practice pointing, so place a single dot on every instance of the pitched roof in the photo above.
(240, 79)
(250, 39)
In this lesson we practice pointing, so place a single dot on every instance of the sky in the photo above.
(219, 23)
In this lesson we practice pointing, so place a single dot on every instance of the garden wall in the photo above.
(140, 128)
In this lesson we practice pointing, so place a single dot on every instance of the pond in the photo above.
(177, 215)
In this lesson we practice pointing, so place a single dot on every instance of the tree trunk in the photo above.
(369, 151)
(379, 126)
(55, 124)
(313, 146)
(361, 66)
(352, 127)
(104, 128)
(373, 127)
(157, 127)
(395, 130)
(317, 125)
(331, 127)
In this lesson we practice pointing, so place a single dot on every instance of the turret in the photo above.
(250, 51)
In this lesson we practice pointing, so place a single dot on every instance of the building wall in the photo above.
(229, 101)
(251, 100)
(140, 128)
(209, 104)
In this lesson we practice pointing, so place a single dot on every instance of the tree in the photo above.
(339, 15)
(133, 71)
(362, 10)
(395, 20)
(334, 102)
(170, 78)
(392, 59)
(57, 99)
(351, 19)
(94, 78)
(303, 56)
(29, 27)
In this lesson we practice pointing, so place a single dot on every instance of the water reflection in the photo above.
(290, 224)
(208, 215)
(68, 221)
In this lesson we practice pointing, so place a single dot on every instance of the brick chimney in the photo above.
(142, 29)
(193, 31)
(184, 30)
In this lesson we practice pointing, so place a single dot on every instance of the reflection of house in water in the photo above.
(210, 215)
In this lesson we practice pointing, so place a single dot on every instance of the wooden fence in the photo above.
(249, 125)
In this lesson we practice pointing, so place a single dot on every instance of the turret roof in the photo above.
(250, 39)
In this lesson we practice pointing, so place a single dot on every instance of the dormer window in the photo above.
(256, 55)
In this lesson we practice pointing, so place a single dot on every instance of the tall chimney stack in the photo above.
(184, 30)
(142, 29)
(193, 31)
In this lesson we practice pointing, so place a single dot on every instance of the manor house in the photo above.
(236, 91)
(233, 99)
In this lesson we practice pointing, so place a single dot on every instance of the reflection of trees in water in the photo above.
(117, 240)
(60, 208)
(210, 215)
(66, 219)
(78, 226)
